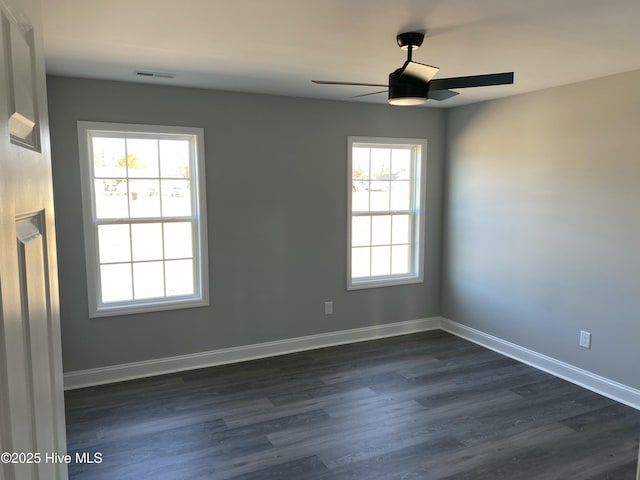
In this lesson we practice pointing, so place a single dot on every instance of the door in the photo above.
(31, 396)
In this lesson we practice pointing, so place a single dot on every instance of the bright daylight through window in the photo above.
(386, 205)
(144, 217)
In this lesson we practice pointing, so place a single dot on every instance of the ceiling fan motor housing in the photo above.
(403, 88)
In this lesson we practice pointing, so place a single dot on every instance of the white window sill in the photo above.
(157, 306)
(387, 282)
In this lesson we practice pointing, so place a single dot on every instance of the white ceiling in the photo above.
(278, 46)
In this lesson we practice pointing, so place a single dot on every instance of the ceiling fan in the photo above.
(412, 83)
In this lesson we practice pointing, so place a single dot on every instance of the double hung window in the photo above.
(386, 210)
(144, 217)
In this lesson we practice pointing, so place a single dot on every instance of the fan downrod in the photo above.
(413, 39)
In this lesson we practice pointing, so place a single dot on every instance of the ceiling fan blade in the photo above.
(330, 82)
(472, 81)
(441, 94)
(419, 70)
(367, 94)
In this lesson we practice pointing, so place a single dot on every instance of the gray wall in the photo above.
(276, 194)
(543, 222)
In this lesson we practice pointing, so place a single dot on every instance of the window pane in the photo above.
(379, 197)
(360, 262)
(114, 243)
(177, 240)
(360, 163)
(116, 282)
(146, 240)
(176, 198)
(174, 158)
(400, 259)
(401, 164)
(400, 195)
(179, 277)
(361, 231)
(144, 200)
(142, 157)
(108, 157)
(111, 198)
(148, 280)
(401, 229)
(380, 260)
(381, 230)
(380, 163)
(360, 196)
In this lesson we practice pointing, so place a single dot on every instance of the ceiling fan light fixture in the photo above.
(407, 101)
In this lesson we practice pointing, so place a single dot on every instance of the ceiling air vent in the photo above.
(141, 73)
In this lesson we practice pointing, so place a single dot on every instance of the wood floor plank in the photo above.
(422, 406)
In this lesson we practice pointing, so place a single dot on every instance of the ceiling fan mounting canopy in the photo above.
(413, 84)
(413, 39)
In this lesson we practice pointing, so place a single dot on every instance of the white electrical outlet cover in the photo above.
(585, 339)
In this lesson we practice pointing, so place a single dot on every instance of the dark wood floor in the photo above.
(424, 406)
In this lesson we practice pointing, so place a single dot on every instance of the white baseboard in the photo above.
(117, 373)
(596, 383)
(148, 368)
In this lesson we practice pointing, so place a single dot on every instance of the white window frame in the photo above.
(417, 209)
(198, 217)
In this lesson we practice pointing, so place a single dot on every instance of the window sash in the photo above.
(193, 258)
